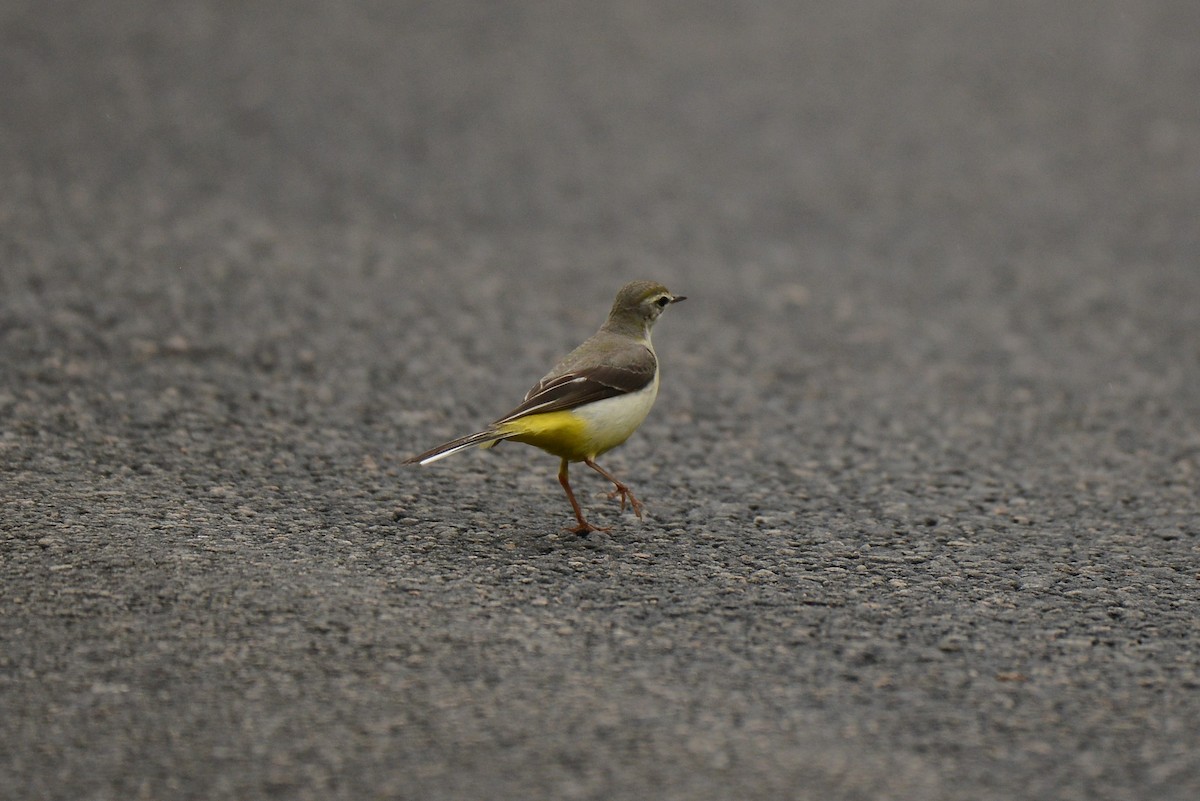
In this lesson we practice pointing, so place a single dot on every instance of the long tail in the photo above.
(483, 439)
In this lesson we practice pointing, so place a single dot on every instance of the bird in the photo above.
(590, 402)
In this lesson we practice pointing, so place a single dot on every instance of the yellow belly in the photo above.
(587, 431)
(563, 434)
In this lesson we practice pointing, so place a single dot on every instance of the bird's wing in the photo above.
(566, 390)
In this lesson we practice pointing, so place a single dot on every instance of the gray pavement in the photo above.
(921, 481)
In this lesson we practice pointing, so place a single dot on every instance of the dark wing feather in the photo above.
(556, 393)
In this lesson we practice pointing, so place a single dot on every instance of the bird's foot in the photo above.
(623, 492)
(584, 528)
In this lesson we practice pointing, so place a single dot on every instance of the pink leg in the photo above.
(622, 491)
(584, 526)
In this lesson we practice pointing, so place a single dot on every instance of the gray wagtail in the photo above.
(592, 400)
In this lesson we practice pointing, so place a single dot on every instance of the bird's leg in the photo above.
(584, 526)
(622, 491)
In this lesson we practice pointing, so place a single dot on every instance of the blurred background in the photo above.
(881, 166)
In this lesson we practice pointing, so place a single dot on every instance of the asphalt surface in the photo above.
(921, 480)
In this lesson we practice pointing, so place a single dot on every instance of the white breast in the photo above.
(610, 421)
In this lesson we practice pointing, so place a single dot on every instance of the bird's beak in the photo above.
(678, 298)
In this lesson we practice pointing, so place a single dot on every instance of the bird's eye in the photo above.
(663, 301)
